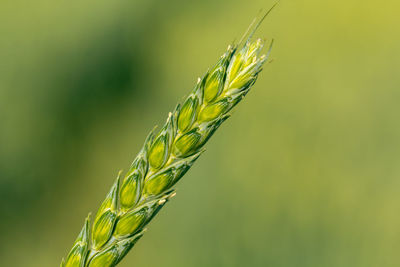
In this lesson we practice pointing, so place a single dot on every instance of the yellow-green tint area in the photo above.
(241, 81)
(252, 51)
(187, 114)
(130, 191)
(213, 86)
(129, 223)
(102, 229)
(235, 66)
(158, 183)
(158, 153)
(213, 111)
(111, 200)
(309, 161)
(105, 259)
(107, 204)
(76, 257)
(186, 143)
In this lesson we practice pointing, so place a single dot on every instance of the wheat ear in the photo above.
(165, 157)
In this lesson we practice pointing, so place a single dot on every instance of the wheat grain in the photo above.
(165, 157)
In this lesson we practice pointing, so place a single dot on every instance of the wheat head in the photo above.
(165, 157)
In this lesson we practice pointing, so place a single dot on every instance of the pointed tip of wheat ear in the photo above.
(254, 25)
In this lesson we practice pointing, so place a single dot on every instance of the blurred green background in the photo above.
(306, 172)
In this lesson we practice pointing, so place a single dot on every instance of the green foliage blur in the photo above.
(306, 172)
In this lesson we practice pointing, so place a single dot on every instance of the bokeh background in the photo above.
(306, 172)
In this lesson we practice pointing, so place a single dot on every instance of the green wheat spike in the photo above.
(165, 157)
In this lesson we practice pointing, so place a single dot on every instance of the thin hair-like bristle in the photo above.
(254, 25)
(269, 49)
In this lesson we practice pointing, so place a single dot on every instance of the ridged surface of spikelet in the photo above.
(165, 157)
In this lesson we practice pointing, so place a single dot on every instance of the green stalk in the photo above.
(165, 157)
